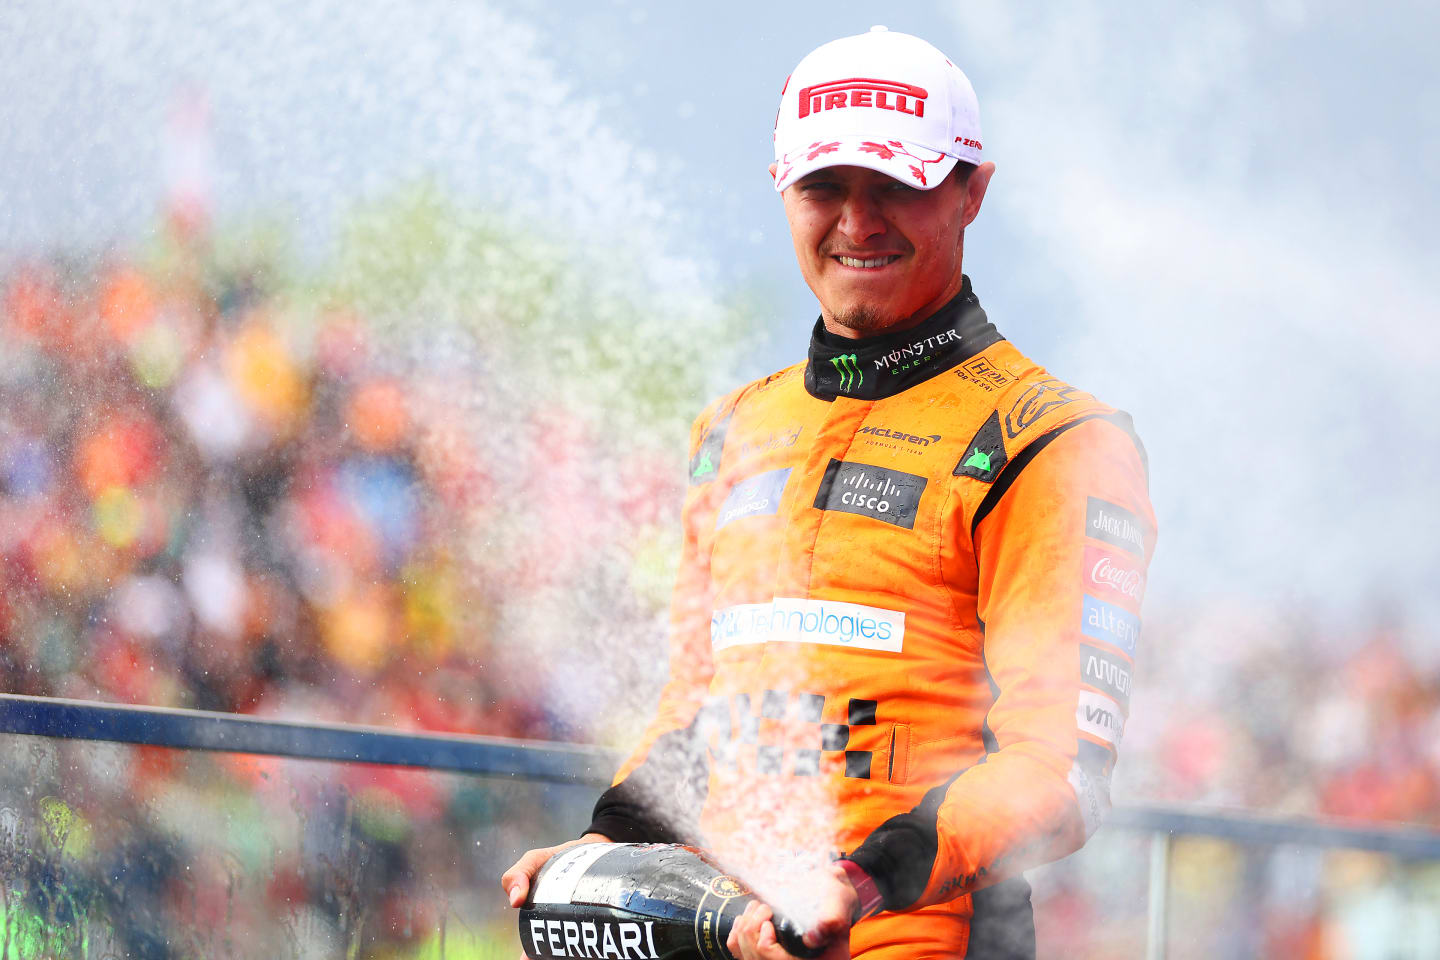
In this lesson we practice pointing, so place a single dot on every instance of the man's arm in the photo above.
(1062, 549)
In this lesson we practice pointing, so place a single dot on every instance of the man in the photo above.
(908, 603)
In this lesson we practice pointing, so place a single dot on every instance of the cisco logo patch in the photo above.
(889, 496)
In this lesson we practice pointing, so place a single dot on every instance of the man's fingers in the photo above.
(733, 942)
(756, 934)
(753, 936)
(516, 880)
(766, 938)
(745, 933)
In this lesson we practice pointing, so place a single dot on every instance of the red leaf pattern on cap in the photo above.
(893, 148)
(888, 150)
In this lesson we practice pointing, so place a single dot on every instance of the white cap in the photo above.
(887, 101)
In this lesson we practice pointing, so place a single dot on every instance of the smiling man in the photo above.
(908, 605)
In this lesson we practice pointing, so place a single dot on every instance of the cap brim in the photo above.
(909, 163)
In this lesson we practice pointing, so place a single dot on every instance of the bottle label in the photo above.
(558, 879)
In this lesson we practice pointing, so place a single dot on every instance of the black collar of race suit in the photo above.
(875, 367)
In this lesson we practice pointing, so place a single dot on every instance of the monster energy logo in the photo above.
(848, 366)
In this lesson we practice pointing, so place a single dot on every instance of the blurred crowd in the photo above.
(211, 497)
(206, 502)
(1288, 714)
(1247, 710)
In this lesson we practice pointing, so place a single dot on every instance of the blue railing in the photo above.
(582, 765)
(344, 742)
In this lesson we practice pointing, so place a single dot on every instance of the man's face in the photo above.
(878, 254)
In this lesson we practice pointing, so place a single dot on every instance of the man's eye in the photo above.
(819, 185)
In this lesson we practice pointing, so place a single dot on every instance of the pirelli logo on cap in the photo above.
(886, 495)
(863, 92)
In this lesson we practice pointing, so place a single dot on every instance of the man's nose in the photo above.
(861, 217)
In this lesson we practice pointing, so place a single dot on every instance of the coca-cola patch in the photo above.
(1114, 575)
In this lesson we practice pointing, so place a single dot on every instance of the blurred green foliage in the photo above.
(597, 328)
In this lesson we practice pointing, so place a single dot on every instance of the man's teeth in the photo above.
(867, 264)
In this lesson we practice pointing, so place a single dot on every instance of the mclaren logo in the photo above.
(900, 436)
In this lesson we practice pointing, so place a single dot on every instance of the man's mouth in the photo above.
(868, 263)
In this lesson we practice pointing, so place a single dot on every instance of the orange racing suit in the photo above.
(903, 629)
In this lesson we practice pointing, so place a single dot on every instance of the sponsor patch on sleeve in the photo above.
(1105, 621)
(1092, 793)
(1115, 525)
(1100, 717)
(1114, 575)
(1104, 670)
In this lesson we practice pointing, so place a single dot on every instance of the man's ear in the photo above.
(773, 167)
(975, 186)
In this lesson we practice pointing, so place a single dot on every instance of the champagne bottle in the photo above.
(638, 901)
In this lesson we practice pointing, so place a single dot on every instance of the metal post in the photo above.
(1159, 914)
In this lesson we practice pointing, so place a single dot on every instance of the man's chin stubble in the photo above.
(864, 321)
